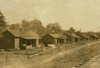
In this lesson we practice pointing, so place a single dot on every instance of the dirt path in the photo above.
(61, 54)
(93, 63)
(42, 60)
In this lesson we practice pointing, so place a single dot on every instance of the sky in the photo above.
(79, 14)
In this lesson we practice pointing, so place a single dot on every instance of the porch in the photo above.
(60, 41)
(24, 43)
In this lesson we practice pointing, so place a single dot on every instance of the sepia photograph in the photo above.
(49, 33)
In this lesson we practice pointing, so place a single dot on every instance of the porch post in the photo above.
(37, 42)
(17, 43)
(73, 39)
(55, 41)
(65, 41)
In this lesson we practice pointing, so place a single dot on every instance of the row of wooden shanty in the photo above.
(12, 39)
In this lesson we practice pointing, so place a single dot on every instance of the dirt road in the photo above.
(40, 60)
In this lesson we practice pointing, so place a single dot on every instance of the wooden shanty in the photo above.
(83, 37)
(20, 39)
(72, 37)
(53, 39)
(94, 37)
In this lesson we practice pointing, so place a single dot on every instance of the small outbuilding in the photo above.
(20, 39)
(54, 39)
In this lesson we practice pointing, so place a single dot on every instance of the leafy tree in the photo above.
(89, 32)
(34, 25)
(71, 30)
(37, 26)
(53, 28)
(2, 22)
(25, 25)
(78, 32)
(14, 26)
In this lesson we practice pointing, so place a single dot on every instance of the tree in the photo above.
(78, 32)
(53, 28)
(14, 26)
(25, 25)
(34, 25)
(2, 22)
(71, 30)
(89, 32)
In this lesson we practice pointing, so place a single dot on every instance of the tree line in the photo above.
(36, 26)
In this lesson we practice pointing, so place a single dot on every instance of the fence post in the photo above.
(6, 57)
(27, 54)
(42, 51)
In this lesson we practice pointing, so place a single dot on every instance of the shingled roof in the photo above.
(73, 35)
(83, 35)
(58, 36)
(24, 34)
(94, 35)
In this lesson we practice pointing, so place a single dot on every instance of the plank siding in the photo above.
(8, 40)
(47, 39)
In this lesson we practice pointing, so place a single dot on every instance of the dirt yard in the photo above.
(64, 59)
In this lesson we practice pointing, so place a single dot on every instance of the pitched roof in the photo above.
(24, 34)
(58, 36)
(94, 35)
(84, 35)
(73, 35)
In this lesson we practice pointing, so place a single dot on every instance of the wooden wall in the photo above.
(47, 39)
(8, 40)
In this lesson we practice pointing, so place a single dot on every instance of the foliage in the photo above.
(33, 25)
(53, 28)
(89, 33)
(71, 30)
(14, 27)
(2, 22)
(36, 26)
(78, 32)
(25, 25)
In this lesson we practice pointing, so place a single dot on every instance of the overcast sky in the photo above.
(84, 14)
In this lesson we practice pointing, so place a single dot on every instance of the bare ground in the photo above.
(45, 61)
